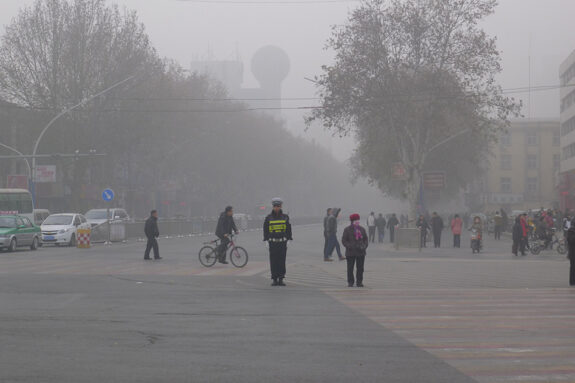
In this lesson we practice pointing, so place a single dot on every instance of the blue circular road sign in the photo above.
(108, 195)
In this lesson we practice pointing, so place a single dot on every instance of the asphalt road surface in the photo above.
(442, 315)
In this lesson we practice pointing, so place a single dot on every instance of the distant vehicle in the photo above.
(62, 229)
(16, 202)
(18, 231)
(40, 215)
(97, 217)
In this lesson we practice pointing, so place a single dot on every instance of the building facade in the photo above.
(567, 181)
(524, 170)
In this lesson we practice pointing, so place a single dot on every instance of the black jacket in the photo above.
(226, 225)
(392, 222)
(331, 225)
(571, 243)
(287, 234)
(437, 223)
(151, 228)
(380, 222)
(354, 247)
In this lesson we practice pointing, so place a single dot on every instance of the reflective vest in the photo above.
(278, 226)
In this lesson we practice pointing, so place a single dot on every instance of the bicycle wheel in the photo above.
(535, 249)
(208, 256)
(561, 249)
(239, 257)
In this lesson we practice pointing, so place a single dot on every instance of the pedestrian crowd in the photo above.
(277, 231)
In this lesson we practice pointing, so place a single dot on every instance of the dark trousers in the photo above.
(572, 273)
(423, 239)
(278, 251)
(497, 231)
(457, 240)
(392, 234)
(519, 246)
(332, 243)
(372, 234)
(325, 241)
(152, 244)
(381, 234)
(351, 262)
(222, 248)
(437, 238)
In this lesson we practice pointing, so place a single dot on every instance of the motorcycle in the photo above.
(475, 241)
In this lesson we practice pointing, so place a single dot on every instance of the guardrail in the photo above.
(121, 231)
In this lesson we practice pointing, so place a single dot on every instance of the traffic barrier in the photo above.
(409, 238)
(83, 238)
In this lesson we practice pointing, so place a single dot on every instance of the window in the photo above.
(505, 185)
(76, 221)
(505, 139)
(27, 222)
(556, 161)
(569, 151)
(556, 137)
(505, 162)
(532, 186)
(568, 126)
(531, 138)
(531, 161)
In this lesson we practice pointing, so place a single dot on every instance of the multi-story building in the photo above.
(567, 182)
(523, 172)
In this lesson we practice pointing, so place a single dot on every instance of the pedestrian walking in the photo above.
(517, 235)
(277, 232)
(504, 220)
(152, 233)
(371, 227)
(225, 227)
(423, 227)
(571, 253)
(355, 241)
(332, 241)
(391, 225)
(325, 236)
(437, 228)
(456, 227)
(380, 222)
(497, 226)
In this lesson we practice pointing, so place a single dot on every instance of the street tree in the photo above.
(414, 82)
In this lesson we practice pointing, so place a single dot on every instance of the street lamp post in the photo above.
(23, 157)
(58, 116)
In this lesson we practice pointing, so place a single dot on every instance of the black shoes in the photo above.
(360, 285)
(275, 283)
(350, 285)
(281, 282)
(147, 259)
(224, 262)
(158, 258)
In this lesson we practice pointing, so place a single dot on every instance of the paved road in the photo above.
(105, 315)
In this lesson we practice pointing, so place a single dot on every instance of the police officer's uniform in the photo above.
(277, 231)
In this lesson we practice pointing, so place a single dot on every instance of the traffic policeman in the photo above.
(277, 231)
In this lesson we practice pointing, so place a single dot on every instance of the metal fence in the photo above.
(122, 231)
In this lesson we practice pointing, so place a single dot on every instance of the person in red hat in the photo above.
(355, 241)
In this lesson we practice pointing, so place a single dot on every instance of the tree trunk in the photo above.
(413, 186)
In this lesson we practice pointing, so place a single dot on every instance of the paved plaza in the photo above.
(440, 315)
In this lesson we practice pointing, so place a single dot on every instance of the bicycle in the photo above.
(540, 245)
(208, 254)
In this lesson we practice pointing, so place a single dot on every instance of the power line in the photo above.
(267, 3)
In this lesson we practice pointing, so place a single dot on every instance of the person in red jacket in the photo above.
(456, 226)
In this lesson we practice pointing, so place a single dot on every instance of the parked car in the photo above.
(62, 229)
(18, 231)
(40, 215)
(97, 217)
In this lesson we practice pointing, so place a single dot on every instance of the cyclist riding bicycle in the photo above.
(226, 226)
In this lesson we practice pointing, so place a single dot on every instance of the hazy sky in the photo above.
(188, 30)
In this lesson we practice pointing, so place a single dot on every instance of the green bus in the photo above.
(17, 202)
